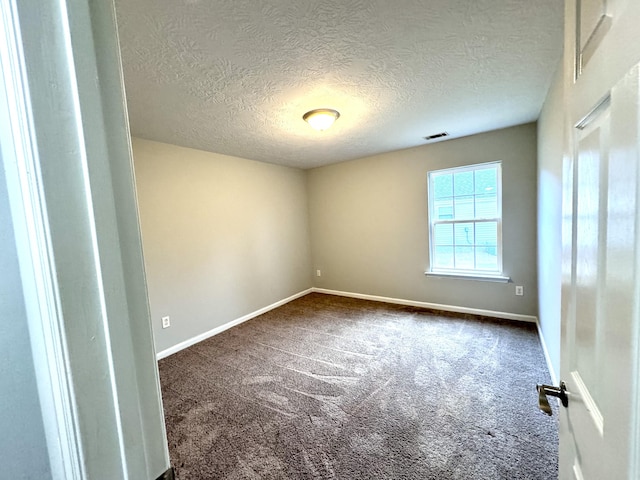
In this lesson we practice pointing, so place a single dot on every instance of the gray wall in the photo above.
(22, 442)
(550, 152)
(222, 236)
(369, 225)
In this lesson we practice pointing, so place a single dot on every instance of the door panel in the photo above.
(593, 24)
(587, 326)
(591, 170)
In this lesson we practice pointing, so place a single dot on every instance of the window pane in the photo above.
(443, 257)
(443, 234)
(486, 180)
(464, 258)
(463, 183)
(486, 258)
(442, 186)
(487, 206)
(464, 234)
(443, 209)
(463, 208)
(487, 245)
(487, 234)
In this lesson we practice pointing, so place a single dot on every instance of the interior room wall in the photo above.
(369, 225)
(222, 236)
(550, 152)
(22, 442)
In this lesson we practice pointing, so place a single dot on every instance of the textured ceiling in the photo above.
(236, 76)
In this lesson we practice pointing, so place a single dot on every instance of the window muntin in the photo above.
(465, 219)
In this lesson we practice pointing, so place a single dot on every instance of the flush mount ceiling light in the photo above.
(321, 118)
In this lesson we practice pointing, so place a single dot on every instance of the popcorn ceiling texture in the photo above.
(236, 76)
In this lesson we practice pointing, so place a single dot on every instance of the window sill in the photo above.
(470, 276)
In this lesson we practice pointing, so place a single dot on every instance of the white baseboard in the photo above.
(375, 298)
(228, 325)
(547, 357)
(434, 306)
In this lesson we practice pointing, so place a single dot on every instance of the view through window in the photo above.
(465, 218)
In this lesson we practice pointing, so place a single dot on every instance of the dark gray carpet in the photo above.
(336, 388)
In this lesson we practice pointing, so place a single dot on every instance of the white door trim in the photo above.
(67, 157)
(32, 241)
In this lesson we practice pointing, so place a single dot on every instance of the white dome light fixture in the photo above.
(321, 118)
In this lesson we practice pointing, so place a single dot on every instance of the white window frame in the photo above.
(494, 275)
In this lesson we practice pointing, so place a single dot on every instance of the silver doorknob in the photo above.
(544, 390)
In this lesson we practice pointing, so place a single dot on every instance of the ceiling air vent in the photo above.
(437, 135)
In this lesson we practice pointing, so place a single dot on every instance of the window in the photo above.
(465, 220)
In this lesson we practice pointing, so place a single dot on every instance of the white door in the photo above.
(599, 431)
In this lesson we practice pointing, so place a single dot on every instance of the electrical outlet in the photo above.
(519, 290)
(166, 322)
(318, 273)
